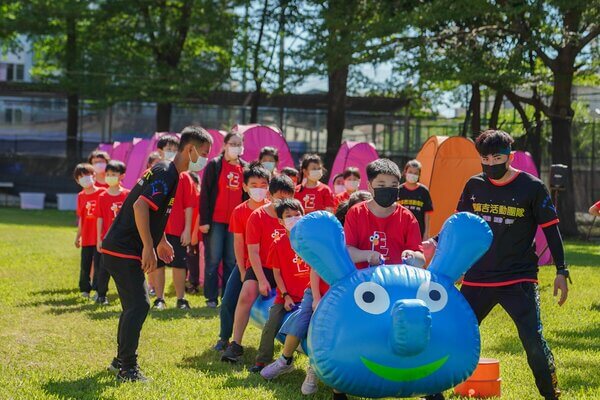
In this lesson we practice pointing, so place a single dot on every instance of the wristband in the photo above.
(564, 271)
(284, 294)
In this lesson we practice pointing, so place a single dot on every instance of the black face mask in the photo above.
(494, 172)
(385, 197)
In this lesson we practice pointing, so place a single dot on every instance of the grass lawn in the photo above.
(55, 345)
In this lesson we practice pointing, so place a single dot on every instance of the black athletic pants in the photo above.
(89, 254)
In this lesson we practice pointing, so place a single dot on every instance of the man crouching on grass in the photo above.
(128, 250)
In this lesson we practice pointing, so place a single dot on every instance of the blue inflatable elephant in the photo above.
(392, 330)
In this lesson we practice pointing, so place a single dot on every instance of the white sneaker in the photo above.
(276, 368)
(310, 384)
(85, 295)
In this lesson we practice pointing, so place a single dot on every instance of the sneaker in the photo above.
(85, 295)
(211, 304)
(95, 297)
(102, 300)
(437, 396)
(183, 304)
(115, 366)
(192, 290)
(309, 386)
(221, 345)
(151, 292)
(132, 375)
(232, 353)
(276, 368)
(160, 304)
(256, 368)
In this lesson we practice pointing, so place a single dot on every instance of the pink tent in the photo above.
(524, 162)
(354, 154)
(121, 151)
(107, 147)
(136, 163)
(258, 136)
(217, 145)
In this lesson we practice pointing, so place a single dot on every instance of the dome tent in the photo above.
(354, 154)
(258, 136)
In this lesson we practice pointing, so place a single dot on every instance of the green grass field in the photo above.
(55, 345)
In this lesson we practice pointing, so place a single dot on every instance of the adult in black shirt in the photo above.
(514, 204)
(136, 237)
(415, 196)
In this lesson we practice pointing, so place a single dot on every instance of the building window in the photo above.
(13, 72)
(20, 72)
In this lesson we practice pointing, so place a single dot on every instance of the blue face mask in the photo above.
(269, 165)
(199, 164)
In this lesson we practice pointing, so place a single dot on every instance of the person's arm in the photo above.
(141, 210)
(99, 223)
(288, 302)
(186, 235)
(368, 256)
(426, 231)
(254, 255)
(238, 250)
(78, 234)
(315, 280)
(164, 250)
(555, 244)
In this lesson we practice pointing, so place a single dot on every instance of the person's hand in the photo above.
(429, 247)
(408, 257)
(560, 283)
(264, 287)
(165, 251)
(148, 259)
(315, 303)
(204, 228)
(99, 247)
(288, 303)
(375, 258)
(186, 237)
(78, 241)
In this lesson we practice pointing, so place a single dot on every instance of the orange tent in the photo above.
(448, 163)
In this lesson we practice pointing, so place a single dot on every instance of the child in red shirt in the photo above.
(292, 276)
(192, 285)
(99, 160)
(109, 205)
(269, 158)
(292, 173)
(256, 184)
(262, 229)
(351, 177)
(87, 201)
(313, 194)
(379, 230)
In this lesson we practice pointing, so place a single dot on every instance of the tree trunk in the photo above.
(255, 103)
(561, 118)
(493, 124)
(476, 110)
(336, 112)
(72, 94)
(163, 117)
(535, 137)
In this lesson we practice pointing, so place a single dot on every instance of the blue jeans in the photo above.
(218, 244)
(229, 302)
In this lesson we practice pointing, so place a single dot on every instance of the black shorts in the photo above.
(180, 259)
(251, 276)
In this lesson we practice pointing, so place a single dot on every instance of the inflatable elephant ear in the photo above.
(319, 239)
(464, 238)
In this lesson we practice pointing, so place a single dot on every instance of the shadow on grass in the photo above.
(89, 387)
(583, 254)
(584, 338)
(54, 292)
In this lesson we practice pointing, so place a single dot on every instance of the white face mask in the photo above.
(170, 155)
(99, 167)
(86, 181)
(291, 221)
(339, 189)
(316, 174)
(258, 194)
(412, 178)
(269, 165)
(112, 180)
(351, 185)
(199, 164)
(234, 152)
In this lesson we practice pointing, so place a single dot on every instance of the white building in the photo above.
(15, 66)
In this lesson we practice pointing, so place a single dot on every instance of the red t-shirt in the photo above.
(294, 271)
(86, 211)
(237, 224)
(341, 197)
(315, 199)
(108, 207)
(389, 236)
(184, 198)
(230, 191)
(101, 185)
(262, 229)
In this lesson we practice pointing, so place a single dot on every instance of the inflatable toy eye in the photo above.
(433, 295)
(371, 298)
